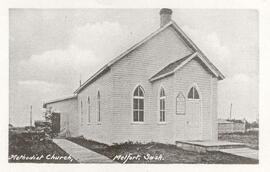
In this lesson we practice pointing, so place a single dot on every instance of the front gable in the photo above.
(178, 64)
(186, 41)
(150, 57)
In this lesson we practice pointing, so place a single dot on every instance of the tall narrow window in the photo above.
(88, 110)
(81, 113)
(98, 107)
(162, 105)
(193, 93)
(138, 105)
(180, 104)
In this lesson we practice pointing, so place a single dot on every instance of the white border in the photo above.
(262, 6)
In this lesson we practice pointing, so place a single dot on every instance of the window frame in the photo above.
(81, 112)
(98, 107)
(181, 95)
(194, 90)
(138, 110)
(162, 109)
(89, 109)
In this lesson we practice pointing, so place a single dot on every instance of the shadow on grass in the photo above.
(24, 149)
(129, 152)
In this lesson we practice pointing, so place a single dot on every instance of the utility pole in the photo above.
(80, 79)
(231, 112)
(30, 115)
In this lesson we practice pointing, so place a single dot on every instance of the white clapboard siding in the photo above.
(68, 115)
(117, 85)
(137, 68)
(98, 131)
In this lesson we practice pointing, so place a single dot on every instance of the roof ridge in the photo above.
(169, 69)
(182, 58)
(123, 53)
(60, 99)
(172, 23)
(196, 48)
(141, 41)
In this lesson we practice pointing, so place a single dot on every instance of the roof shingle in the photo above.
(170, 67)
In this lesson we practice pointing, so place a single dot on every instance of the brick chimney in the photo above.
(165, 16)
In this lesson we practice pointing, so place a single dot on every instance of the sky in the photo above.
(51, 49)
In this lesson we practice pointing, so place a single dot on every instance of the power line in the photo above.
(231, 111)
(30, 115)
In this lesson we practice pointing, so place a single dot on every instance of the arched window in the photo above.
(162, 105)
(180, 104)
(98, 107)
(81, 113)
(138, 105)
(193, 93)
(88, 103)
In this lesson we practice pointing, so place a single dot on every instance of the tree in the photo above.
(48, 114)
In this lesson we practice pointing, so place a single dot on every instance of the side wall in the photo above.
(94, 130)
(68, 119)
(136, 69)
(214, 108)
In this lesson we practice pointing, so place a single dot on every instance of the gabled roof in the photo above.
(176, 65)
(59, 100)
(122, 55)
(169, 68)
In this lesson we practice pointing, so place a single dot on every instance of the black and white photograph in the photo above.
(133, 85)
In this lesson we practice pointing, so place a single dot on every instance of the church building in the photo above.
(162, 89)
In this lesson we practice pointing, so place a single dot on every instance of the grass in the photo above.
(36, 151)
(251, 139)
(128, 152)
(160, 153)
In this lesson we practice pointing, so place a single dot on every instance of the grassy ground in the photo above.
(35, 151)
(251, 139)
(160, 153)
(46, 151)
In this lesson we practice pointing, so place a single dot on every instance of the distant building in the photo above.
(231, 126)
